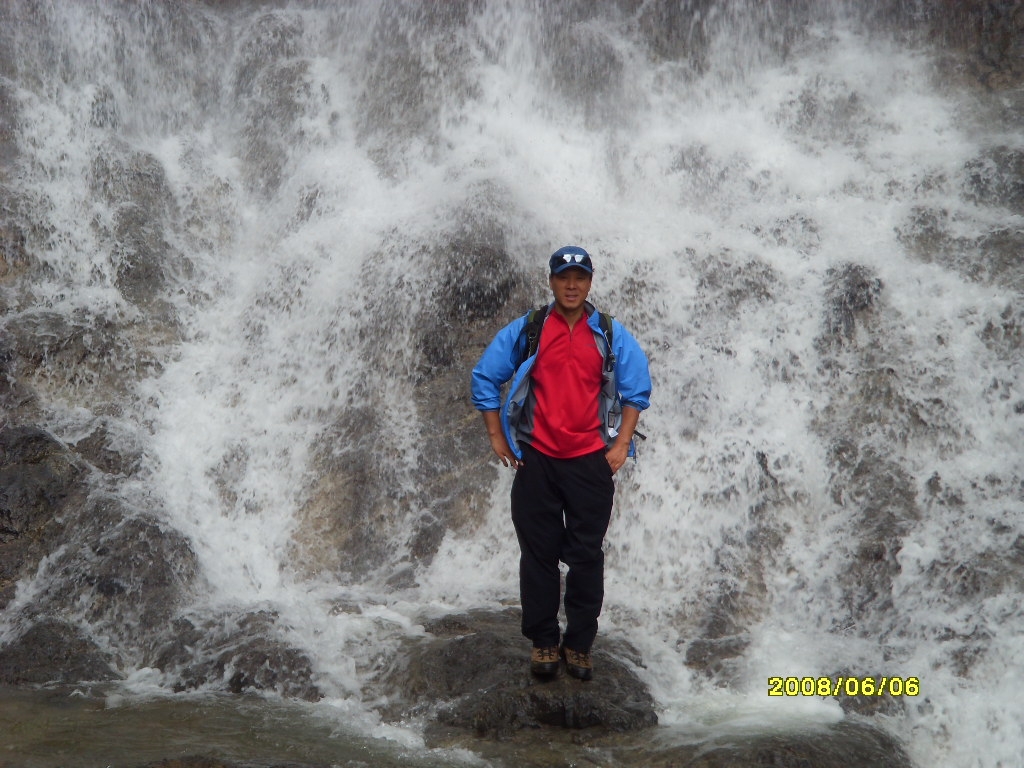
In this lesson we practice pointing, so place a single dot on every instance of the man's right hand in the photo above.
(500, 447)
(498, 442)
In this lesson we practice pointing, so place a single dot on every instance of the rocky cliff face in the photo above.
(94, 580)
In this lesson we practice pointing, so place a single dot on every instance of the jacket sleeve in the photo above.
(632, 373)
(496, 366)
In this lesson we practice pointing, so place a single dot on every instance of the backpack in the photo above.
(531, 332)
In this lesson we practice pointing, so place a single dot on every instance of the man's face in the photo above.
(570, 288)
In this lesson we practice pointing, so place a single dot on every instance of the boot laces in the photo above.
(577, 658)
(546, 654)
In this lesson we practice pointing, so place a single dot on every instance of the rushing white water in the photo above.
(715, 201)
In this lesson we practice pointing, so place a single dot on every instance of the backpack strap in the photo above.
(534, 323)
(605, 321)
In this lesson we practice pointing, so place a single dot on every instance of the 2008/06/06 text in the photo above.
(843, 686)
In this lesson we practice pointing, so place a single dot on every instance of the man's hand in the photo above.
(619, 451)
(500, 447)
(617, 455)
(498, 442)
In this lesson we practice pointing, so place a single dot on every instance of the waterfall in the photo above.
(250, 254)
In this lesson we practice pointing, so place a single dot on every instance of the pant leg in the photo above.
(537, 517)
(588, 489)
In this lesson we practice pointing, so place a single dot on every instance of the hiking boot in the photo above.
(544, 661)
(577, 663)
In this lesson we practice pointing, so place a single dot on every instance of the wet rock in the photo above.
(477, 669)
(237, 652)
(714, 655)
(200, 761)
(736, 596)
(991, 257)
(885, 497)
(8, 118)
(1005, 335)
(882, 402)
(88, 358)
(416, 72)
(708, 180)
(726, 283)
(13, 258)
(363, 510)
(53, 651)
(479, 277)
(37, 476)
(830, 111)
(113, 454)
(797, 231)
(686, 30)
(479, 288)
(869, 706)
(264, 665)
(675, 32)
(119, 570)
(926, 233)
(135, 186)
(287, 93)
(40, 480)
(988, 33)
(481, 679)
(997, 178)
(588, 69)
(844, 744)
(998, 254)
(348, 523)
(852, 290)
(104, 113)
(272, 36)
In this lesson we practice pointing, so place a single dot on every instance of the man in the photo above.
(566, 427)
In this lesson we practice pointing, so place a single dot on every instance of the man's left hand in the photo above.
(616, 456)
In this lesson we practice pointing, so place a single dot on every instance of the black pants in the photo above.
(560, 510)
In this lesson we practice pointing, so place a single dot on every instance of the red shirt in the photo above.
(566, 390)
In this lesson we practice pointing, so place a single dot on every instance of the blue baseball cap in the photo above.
(568, 257)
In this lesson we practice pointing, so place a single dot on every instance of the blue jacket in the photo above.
(628, 383)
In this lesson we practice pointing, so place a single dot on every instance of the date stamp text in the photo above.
(844, 686)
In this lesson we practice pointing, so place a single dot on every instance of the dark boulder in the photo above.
(108, 564)
(37, 475)
(470, 679)
(852, 293)
(473, 674)
(238, 652)
(122, 570)
(135, 186)
(52, 651)
(262, 664)
(996, 178)
(39, 479)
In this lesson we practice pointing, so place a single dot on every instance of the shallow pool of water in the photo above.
(68, 728)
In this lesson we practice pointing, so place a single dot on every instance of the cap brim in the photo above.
(562, 267)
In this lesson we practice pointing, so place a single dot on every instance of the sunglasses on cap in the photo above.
(570, 256)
